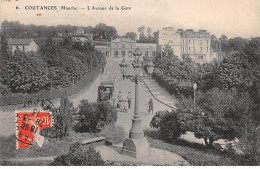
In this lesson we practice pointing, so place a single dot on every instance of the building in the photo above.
(148, 49)
(105, 50)
(122, 47)
(82, 37)
(167, 36)
(196, 45)
(187, 43)
(25, 45)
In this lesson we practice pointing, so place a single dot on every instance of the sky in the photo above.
(234, 18)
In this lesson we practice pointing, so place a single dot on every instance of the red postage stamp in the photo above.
(28, 126)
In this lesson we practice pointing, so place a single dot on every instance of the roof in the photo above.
(127, 40)
(88, 36)
(12, 41)
(108, 83)
(146, 45)
(101, 47)
(189, 33)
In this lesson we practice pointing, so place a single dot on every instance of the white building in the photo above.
(188, 43)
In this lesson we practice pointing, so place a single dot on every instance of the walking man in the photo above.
(150, 104)
(129, 99)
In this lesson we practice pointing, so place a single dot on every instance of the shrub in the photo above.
(170, 129)
(92, 117)
(155, 123)
(172, 87)
(79, 155)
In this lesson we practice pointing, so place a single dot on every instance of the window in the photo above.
(130, 53)
(146, 53)
(207, 49)
(154, 53)
(193, 49)
(189, 41)
(183, 41)
(182, 49)
(200, 49)
(23, 48)
(123, 45)
(189, 48)
(200, 57)
(116, 53)
(123, 53)
(193, 42)
(201, 42)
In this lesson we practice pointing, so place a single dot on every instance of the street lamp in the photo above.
(194, 87)
(150, 67)
(136, 145)
(123, 66)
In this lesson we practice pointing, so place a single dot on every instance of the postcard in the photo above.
(130, 83)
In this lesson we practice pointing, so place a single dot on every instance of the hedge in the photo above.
(172, 86)
(15, 99)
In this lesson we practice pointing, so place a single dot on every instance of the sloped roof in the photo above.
(127, 40)
(88, 36)
(12, 41)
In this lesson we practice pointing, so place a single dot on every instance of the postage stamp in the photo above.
(28, 126)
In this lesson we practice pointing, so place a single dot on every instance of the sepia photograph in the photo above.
(130, 83)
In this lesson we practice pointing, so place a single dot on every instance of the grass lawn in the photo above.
(196, 154)
(53, 147)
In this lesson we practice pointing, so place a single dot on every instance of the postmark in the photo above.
(28, 126)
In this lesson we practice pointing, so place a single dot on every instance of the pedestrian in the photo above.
(102, 70)
(150, 104)
(124, 102)
(129, 100)
(119, 98)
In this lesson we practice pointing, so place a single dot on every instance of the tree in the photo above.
(149, 31)
(131, 35)
(102, 31)
(66, 114)
(92, 117)
(141, 31)
(218, 114)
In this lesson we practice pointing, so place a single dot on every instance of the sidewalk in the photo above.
(157, 157)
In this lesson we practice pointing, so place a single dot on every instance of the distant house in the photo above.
(82, 37)
(25, 45)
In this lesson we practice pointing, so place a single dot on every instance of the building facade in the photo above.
(187, 43)
(122, 47)
(25, 45)
(167, 36)
(105, 50)
(196, 45)
(148, 49)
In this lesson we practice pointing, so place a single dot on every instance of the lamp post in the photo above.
(136, 145)
(194, 87)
